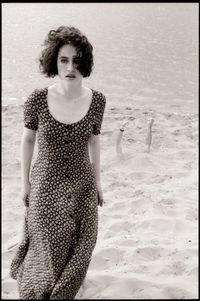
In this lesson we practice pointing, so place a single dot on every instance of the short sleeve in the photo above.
(101, 102)
(31, 111)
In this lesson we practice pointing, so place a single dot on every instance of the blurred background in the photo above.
(145, 53)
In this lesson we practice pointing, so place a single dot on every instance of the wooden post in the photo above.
(119, 138)
(149, 134)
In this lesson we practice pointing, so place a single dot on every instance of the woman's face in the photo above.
(67, 63)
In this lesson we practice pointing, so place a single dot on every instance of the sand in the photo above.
(147, 245)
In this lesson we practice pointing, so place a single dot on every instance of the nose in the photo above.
(70, 66)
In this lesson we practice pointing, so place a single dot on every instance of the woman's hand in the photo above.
(26, 188)
(100, 194)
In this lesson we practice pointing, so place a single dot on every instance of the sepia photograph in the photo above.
(100, 151)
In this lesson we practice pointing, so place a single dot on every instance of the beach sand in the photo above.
(147, 245)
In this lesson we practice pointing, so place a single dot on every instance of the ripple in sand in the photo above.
(194, 272)
(122, 226)
(128, 242)
(125, 288)
(167, 226)
(174, 292)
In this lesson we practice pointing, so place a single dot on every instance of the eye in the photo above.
(64, 61)
(77, 61)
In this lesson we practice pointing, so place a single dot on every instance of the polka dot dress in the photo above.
(61, 221)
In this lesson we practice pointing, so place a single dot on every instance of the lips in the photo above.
(71, 76)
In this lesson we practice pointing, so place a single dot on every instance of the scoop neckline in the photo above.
(73, 123)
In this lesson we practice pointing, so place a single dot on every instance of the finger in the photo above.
(99, 200)
(26, 200)
(25, 197)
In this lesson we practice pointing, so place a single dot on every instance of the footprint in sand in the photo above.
(176, 268)
(167, 211)
(192, 214)
(106, 258)
(167, 202)
(148, 254)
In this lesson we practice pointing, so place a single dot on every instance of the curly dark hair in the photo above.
(62, 36)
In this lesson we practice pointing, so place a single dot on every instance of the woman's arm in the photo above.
(27, 147)
(94, 151)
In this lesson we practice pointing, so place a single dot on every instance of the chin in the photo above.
(68, 81)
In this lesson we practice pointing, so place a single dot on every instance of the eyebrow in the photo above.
(66, 57)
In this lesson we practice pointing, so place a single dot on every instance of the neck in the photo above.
(70, 91)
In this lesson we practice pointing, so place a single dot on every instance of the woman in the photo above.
(64, 191)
